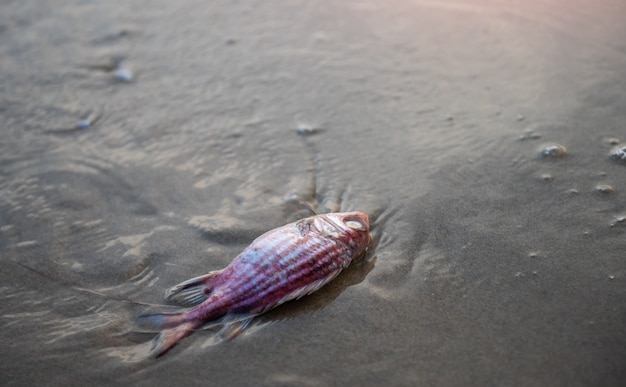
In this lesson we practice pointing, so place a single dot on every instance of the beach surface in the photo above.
(148, 142)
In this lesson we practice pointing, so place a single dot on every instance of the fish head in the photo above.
(349, 228)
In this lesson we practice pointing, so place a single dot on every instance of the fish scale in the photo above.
(281, 265)
(289, 258)
(254, 295)
(304, 273)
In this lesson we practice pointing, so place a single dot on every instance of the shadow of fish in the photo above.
(281, 265)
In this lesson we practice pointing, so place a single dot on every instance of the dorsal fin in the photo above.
(193, 291)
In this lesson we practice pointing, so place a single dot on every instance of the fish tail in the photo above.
(173, 328)
(168, 338)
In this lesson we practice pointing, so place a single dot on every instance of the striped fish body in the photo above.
(281, 265)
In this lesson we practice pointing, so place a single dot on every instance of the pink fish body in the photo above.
(281, 265)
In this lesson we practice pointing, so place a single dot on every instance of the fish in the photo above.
(283, 264)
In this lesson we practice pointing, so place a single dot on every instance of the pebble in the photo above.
(123, 75)
(88, 121)
(604, 188)
(553, 151)
(619, 153)
(307, 130)
(83, 124)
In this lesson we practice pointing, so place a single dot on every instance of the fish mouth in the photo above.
(359, 221)
(359, 217)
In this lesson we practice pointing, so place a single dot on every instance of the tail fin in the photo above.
(168, 338)
(173, 328)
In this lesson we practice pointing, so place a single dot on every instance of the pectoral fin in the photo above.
(192, 292)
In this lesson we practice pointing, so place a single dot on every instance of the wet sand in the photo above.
(149, 143)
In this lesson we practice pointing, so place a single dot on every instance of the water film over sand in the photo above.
(146, 143)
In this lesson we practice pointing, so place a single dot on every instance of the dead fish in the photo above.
(283, 264)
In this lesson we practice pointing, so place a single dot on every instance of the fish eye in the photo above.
(355, 224)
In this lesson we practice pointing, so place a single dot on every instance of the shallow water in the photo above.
(498, 259)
